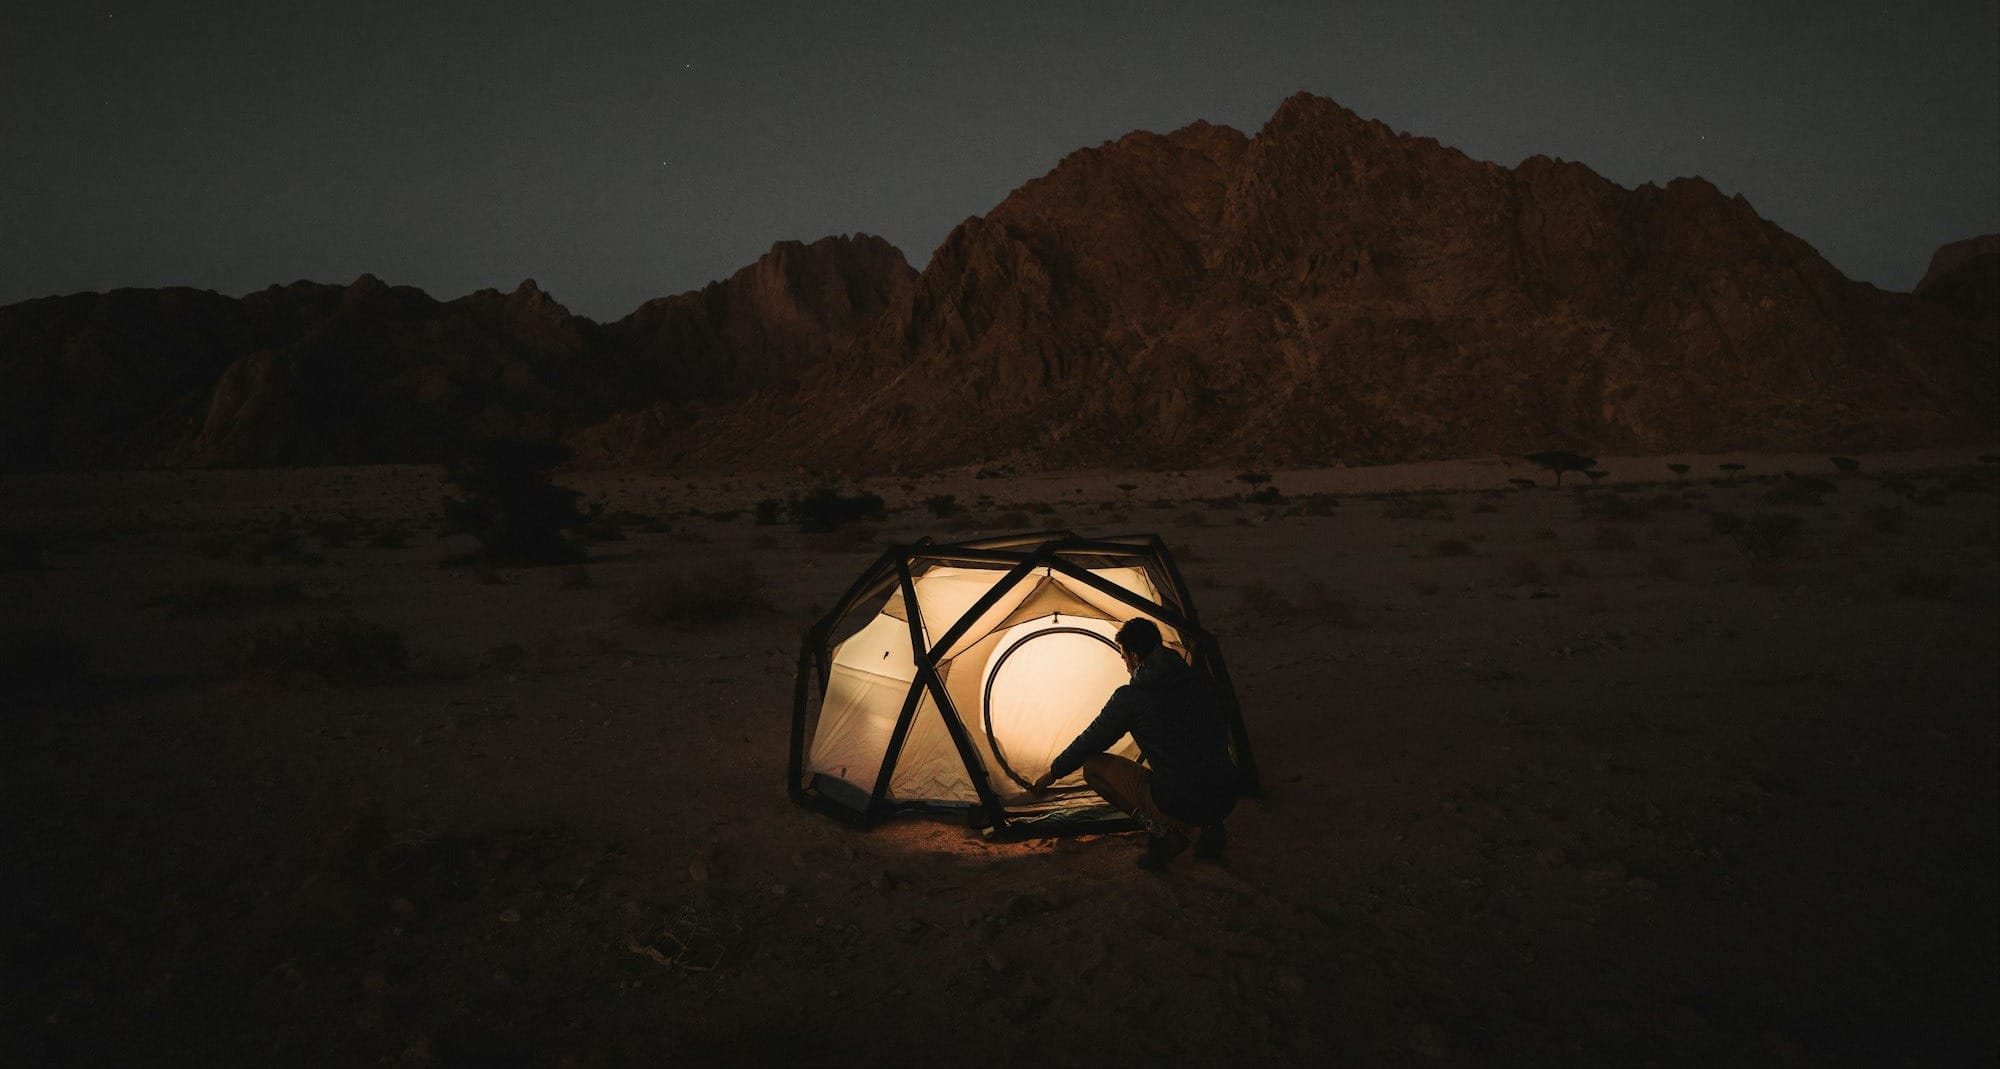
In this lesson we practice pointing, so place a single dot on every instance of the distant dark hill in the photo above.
(1332, 290)
(1328, 290)
(320, 374)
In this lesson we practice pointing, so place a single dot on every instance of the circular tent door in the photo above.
(1046, 685)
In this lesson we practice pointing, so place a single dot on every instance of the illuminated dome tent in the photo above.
(949, 677)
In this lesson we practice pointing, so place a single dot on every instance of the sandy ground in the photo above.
(1557, 776)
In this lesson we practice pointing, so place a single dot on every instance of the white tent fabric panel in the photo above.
(930, 769)
(951, 592)
(870, 677)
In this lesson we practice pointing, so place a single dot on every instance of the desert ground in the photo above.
(1638, 772)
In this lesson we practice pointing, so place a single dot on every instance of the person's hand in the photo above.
(1042, 785)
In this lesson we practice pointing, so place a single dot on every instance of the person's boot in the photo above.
(1161, 848)
(1214, 837)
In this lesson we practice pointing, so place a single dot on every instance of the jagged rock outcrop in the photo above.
(1964, 277)
(1331, 290)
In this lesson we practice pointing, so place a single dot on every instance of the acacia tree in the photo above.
(1560, 461)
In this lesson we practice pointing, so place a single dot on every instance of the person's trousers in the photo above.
(1127, 784)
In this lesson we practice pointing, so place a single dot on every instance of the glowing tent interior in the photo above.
(949, 677)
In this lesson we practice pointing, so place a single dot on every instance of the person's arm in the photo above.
(1111, 725)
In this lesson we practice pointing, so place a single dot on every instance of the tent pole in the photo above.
(927, 676)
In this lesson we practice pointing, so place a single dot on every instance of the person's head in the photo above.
(1138, 639)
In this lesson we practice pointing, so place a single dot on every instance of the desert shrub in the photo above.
(1771, 538)
(1724, 523)
(767, 512)
(21, 550)
(40, 659)
(1267, 495)
(1525, 571)
(1729, 470)
(1680, 470)
(1524, 484)
(334, 534)
(941, 505)
(1127, 487)
(1451, 547)
(1613, 538)
(1222, 504)
(1613, 507)
(1927, 583)
(1847, 465)
(1662, 566)
(507, 502)
(224, 597)
(334, 647)
(1191, 518)
(719, 516)
(1417, 507)
(1321, 504)
(1263, 599)
(1254, 478)
(695, 593)
(826, 509)
(1887, 519)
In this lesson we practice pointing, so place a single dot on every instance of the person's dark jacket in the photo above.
(1172, 712)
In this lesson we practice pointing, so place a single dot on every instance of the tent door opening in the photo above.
(1044, 688)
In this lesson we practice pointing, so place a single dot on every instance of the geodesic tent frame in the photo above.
(889, 587)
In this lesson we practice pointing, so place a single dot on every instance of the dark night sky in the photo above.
(621, 151)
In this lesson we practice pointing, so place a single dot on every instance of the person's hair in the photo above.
(1139, 637)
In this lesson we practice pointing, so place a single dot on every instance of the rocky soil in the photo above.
(1635, 773)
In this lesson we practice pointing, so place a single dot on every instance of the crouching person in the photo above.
(1170, 710)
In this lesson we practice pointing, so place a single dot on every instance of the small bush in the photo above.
(1926, 583)
(1612, 507)
(1451, 547)
(334, 534)
(334, 647)
(1612, 538)
(40, 659)
(1885, 520)
(1525, 571)
(1254, 478)
(1421, 507)
(826, 509)
(1321, 504)
(1191, 518)
(768, 511)
(223, 597)
(1771, 538)
(21, 550)
(1662, 566)
(1267, 495)
(941, 505)
(696, 593)
(507, 502)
